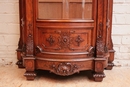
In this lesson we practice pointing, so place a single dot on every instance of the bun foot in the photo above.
(110, 66)
(98, 77)
(30, 75)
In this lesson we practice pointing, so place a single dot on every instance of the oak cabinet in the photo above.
(65, 37)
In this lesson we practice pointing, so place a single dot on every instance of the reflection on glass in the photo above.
(65, 9)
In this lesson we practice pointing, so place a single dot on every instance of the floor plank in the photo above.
(11, 76)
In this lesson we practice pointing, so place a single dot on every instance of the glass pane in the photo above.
(80, 9)
(50, 9)
(65, 9)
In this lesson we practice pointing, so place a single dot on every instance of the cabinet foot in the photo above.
(20, 64)
(98, 77)
(30, 75)
(110, 66)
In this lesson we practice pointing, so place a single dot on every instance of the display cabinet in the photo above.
(65, 37)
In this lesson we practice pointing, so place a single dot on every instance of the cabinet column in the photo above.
(101, 48)
(29, 60)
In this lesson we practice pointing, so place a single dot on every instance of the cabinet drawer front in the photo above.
(64, 40)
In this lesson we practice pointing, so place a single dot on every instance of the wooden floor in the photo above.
(11, 76)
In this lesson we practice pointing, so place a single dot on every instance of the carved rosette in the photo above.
(64, 69)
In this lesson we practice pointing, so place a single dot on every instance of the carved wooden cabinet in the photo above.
(65, 37)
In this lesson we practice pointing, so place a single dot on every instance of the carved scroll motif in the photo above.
(64, 69)
(38, 49)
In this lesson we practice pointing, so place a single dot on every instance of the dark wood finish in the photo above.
(68, 40)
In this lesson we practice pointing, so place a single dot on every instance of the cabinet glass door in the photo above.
(65, 9)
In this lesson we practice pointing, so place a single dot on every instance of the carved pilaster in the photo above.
(29, 27)
(29, 46)
(100, 45)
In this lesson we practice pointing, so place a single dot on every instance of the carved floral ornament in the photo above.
(64, 40)
(50, 40)
(79, 40)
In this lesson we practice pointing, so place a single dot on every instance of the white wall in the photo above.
(9, 31)
(121, 32)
